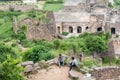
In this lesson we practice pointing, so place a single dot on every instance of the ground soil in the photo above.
(53, 73)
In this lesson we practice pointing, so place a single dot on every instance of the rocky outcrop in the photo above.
(106, 73)
(30, 67)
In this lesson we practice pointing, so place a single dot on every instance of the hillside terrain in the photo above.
(32, 36)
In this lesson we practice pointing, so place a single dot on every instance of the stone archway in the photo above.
(87, 28)
(71, 29)
(99, 29)
(113, 31)
(58, 29)
(79, 29)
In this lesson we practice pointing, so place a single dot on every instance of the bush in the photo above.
(10, 71)
(88, 62)
(38, 53)
(4, 51)
(56, 44)
(110, 5)
(117, 2)
(114, 61)
(65, 33)
(14, 45)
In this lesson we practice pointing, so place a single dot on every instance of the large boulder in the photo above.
(73, 76)
(36, 66)
(42, 64)
(51, 62)
(28, 68)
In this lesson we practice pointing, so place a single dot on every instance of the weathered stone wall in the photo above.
(111, 50)
(85, 26)
(51, 25)
(104, 73)
(23, 8)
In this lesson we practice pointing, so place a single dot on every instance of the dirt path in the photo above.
(23, 49)
(53, 73)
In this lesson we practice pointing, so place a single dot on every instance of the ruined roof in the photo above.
(72, 17)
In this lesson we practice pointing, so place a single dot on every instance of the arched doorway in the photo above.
(58, 28)
(99, 29)
(71, 29)
(113, 31)
(79, 29)
(87, 28)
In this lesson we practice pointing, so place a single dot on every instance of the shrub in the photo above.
(4, 50)
(14, 45)
(56, 44)
(117, 2)
(38, 53)
(88, 62)
(10, 71)
(65, 33)
(110, 5)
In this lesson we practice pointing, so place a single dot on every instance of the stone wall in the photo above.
(85, 26)
(104, 73)
(23, 8)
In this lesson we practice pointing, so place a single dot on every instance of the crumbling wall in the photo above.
(23, 8)
(37, 30)
(105, 73)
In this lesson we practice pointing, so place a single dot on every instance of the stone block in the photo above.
(27, 63)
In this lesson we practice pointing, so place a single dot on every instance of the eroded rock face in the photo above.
(106, 73)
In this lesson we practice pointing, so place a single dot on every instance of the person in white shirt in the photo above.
(73, 63)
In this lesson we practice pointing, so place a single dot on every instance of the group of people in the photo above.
(73, 63)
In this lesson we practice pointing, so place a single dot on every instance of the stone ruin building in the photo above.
(79, 16)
